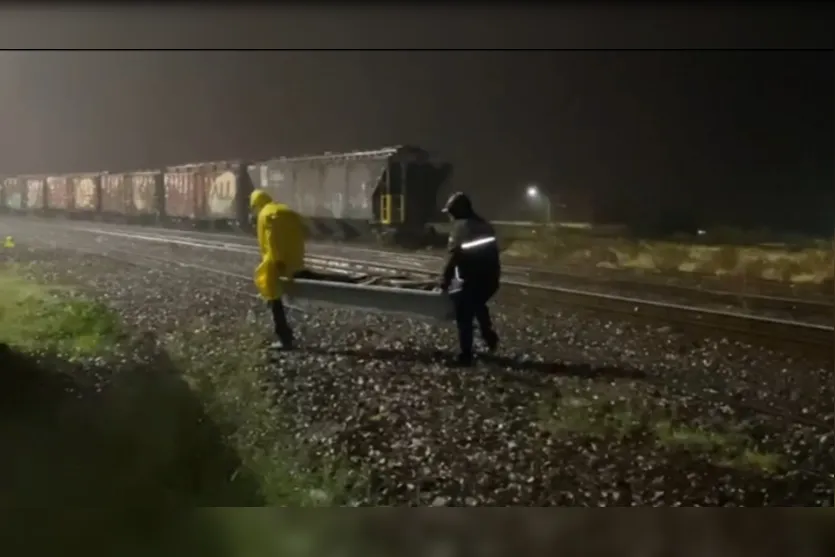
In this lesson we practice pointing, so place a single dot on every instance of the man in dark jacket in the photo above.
(474, 269)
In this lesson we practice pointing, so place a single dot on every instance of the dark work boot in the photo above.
(281, 327)
(491, 339)
(281, 346)
(485, 325)
(462, 360)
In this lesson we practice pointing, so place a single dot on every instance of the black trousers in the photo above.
(282, 327)
(471, 304)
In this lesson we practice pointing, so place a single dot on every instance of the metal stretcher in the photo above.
(419, 299)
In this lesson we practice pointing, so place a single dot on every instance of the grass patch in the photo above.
(730, 449)
(618, 416)
(241, 397)
(589, 416)
(92, 419)
(81, 425)
(36, 317)
(811, 265)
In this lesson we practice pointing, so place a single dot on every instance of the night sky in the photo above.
(740, 137)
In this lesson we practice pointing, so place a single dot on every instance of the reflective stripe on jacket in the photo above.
(474, 254)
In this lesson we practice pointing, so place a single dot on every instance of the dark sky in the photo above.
(737, 136)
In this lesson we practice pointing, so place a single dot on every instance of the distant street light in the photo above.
(535, 195)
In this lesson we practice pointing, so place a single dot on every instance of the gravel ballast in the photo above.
(576, 409)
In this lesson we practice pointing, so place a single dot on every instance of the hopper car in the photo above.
(388, 193)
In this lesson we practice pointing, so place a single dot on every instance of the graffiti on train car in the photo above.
(331, 189)
(84, 192)
(363, 178)
(113, 195)
(129, 194)
(271, 179)
(277, 180)
(58, 192)
(221, 197)
(35, 192)
(334, 187)
(180, 198)
(143, 192)
(13, 193)
(264, 175)
(307, 189)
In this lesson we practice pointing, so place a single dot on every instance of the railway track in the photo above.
(801, 334)
(820, 308)
(750, 300)
(789, 333)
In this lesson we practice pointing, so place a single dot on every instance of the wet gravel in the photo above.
(795, 386)
(375, 390)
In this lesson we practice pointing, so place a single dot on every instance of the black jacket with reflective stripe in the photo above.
(473, 254)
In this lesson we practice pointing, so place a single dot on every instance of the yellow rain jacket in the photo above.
(281, 236)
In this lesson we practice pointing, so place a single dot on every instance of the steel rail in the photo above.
(814, 306)
(781, 331)
(818, 306)
(788, 332)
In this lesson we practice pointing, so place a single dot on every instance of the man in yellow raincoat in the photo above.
(281, 236)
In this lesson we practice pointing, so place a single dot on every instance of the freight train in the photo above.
(388, 193)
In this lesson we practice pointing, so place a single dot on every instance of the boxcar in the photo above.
(207, 195)
(131, 196)
(86, 194)
(14, 194)
(357, 194)
(58, 196)
(35, 188)
(113, 196)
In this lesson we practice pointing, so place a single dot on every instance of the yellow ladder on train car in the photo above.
(392, 209)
